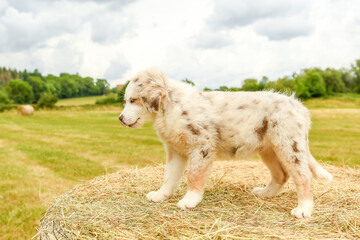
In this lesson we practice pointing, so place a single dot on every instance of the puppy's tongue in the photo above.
(123, 124)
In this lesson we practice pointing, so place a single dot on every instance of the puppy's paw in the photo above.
(303, 210)
(260, 192)
(190, 200)
(156, 196)
(268, 191)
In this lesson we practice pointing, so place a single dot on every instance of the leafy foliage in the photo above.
(27, 87)
(250, 85)
(47, 100)
(20, 91)
(64, 86)
(38, 86)
(4, 101)
(333, 81)
(308, 83)
(356, 73)
(103, 86)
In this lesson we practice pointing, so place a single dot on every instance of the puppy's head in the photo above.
(144, 97)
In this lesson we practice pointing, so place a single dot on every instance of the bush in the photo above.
(110, 99)
(47, 100)
(4, 101)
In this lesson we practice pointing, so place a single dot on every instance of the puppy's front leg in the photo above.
(174, 169)
(199, 169)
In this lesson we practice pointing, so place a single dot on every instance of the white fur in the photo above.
(174, 169)
(196, 127)
(272, 189)
(190, 200)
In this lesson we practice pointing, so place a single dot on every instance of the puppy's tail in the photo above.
(319, 172)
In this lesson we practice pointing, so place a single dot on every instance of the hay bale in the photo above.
(114, 207)
(25, 110)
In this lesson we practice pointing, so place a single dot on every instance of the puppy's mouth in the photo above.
(130, 125)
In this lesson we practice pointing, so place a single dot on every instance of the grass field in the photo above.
(340, 100)
(78, 101)
(45, 155)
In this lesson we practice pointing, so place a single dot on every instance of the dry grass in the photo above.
(114, 207)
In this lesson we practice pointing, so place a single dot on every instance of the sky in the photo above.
(211, 42)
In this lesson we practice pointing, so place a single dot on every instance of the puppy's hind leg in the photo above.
(292, 154)
(200, 162)
(279, 175)
(174, 169)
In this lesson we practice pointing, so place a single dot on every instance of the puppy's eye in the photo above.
(132, 100)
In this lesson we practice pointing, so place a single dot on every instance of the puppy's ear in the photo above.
(154, 93)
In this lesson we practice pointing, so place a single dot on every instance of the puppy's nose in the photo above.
(121, 117)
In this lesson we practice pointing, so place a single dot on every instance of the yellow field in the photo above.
(78, 101)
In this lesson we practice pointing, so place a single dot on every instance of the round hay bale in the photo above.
(25, 110)
(115, 207)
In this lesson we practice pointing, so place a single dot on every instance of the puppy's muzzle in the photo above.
(121, 118)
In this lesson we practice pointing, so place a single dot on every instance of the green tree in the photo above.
(20, 91)
(263, 82)
(5, 75)
(53, 84)
(314, 83)
(103, 85)
(333, 80)
(348, 80)
(223, 88)
(250, 84)
(69, 87)
(356, 72)
(302, 90)
(38, 86)
(4, 101)
(286, 84)
(36, 73)
(271, 85)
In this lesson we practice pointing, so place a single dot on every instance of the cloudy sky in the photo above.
(212, 42)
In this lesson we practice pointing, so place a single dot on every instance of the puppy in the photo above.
(196, 127)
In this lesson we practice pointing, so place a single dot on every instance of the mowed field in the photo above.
(78, 101)
(47, 154)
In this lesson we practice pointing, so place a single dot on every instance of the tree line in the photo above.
(23, 87)
(309, 83)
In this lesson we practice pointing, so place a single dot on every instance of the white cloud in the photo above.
(213, 42)
(233, 13)
(284, 28)
(208, 39)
